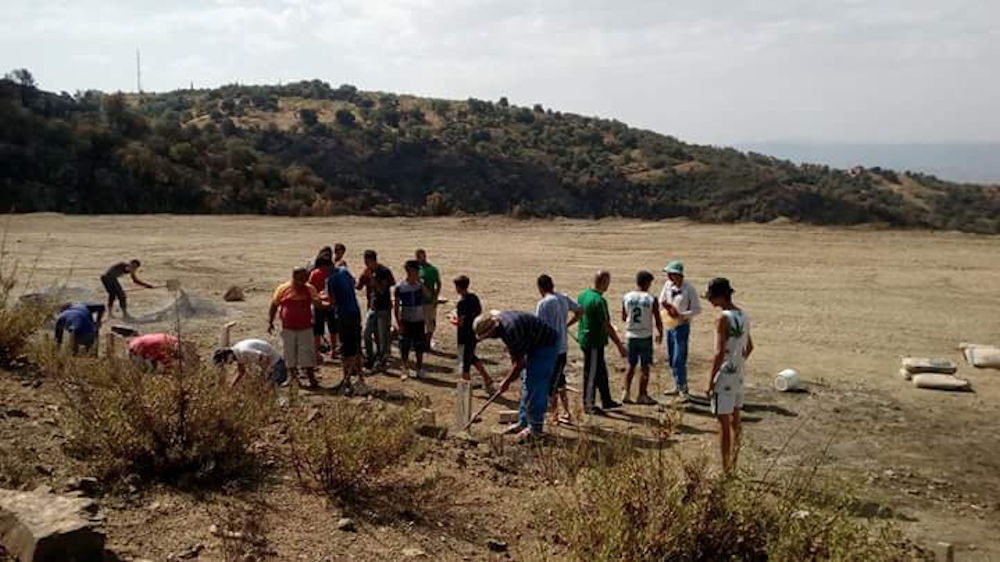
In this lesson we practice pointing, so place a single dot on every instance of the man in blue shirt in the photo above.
(533, 348)
(79, 321)
(340, 291)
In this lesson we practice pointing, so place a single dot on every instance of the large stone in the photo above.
(234, 294)
(40, 527)
(509, 416)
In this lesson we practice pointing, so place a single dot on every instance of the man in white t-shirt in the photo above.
(680, 301)
(250, 354)
(639, 312)
(559, 312)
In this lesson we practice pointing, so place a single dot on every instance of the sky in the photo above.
(709, 71)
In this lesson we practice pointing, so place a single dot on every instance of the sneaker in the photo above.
(421, 373)
(685, 397)
(671, 392)
(612, 405)
(405, 374)
(626, 399)
(594, 411)
(527, 436)
(514, 428)
(645, 400)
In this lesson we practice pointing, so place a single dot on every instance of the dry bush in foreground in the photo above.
(661, 507)
(18, 320)
(181, 426)
(346, 448)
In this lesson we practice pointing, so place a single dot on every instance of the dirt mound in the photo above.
(61, 295)
(183, 305)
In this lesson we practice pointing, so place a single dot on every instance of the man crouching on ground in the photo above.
(533, 348)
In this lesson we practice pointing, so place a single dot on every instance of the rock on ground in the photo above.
(41, 527)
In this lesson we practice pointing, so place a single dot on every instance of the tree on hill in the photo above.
(231, 150)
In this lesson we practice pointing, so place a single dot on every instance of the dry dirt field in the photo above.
(839, 305)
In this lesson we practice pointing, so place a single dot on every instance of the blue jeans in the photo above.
(378, 324)
(677, 354)
(535, 381)
(279, 373)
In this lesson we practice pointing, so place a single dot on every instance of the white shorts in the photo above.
(430, 317)
(298, 348)
(727, 396)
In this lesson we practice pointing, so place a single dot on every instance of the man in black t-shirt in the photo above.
(114, 288)
(377, 280)
(465, 314)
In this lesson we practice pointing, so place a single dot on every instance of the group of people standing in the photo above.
(537, 344)
(320, 302)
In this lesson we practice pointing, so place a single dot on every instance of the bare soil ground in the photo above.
(839, 305)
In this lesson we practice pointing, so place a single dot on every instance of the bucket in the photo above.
(787, 380)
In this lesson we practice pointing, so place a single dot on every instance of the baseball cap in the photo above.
(718, 287)
(485, 323)
(675, 266)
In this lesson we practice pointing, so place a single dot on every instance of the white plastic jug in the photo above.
(787, 380)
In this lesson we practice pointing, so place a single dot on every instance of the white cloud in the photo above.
(716, 70)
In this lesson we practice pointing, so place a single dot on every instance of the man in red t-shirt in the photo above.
(295, 300)
(161, 351)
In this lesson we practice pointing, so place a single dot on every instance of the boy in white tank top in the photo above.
(733, 345)
(639, 312)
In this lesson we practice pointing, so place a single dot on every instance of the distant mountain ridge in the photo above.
(973, 162)
(307, 148)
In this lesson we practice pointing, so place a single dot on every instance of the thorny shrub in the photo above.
(659, 506)
(19, 319)
(186, 426)
(347, 447)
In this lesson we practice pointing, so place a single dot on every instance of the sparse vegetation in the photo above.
(184, 426)
(345, 449)
(19, 320)
(660, 506)
(230, 150)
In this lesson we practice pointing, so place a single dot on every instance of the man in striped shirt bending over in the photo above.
(533, 348)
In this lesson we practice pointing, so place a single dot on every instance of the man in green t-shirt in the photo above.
(430, 278)
(593, 333)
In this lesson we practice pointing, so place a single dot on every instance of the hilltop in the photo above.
(308, 148)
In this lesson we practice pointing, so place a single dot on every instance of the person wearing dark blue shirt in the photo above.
(79, 320)
(533, 347)
(340, 290)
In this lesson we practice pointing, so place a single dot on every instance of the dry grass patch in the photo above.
(185, 426)
(345, 449)
(661, 506)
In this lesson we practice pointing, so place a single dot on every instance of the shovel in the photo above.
(482, 409)
(171, 285)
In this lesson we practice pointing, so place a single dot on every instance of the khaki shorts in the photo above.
(430, 317)
(298, 348)
(727, 396)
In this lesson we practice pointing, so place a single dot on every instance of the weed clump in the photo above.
(186, 426)
(345, 449)
(663, 507)
(19, 320)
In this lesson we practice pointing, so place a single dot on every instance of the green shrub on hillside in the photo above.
(173, 152)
